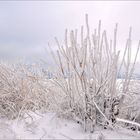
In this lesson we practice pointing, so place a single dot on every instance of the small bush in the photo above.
(20, 90)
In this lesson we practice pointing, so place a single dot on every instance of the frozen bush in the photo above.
(20, 90)
(87, 76)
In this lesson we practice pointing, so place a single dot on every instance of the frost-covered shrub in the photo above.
(20, 90)
(87, 76)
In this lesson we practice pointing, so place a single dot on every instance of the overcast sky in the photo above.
(27, 26)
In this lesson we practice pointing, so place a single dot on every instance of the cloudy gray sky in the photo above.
(27, 26)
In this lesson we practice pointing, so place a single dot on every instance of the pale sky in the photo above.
(27, 26)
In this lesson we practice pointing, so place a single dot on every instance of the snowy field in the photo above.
(49, 126)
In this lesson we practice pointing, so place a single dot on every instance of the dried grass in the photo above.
(20, 90)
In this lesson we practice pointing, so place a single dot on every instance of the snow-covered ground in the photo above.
(49, 126)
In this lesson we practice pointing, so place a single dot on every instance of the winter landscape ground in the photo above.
(49, 126)
(84, 99)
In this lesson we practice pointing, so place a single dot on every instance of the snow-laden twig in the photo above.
(127, 121)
